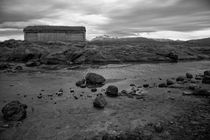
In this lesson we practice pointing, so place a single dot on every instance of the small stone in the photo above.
(198, 77)
(75, 97)
(187, 93)
(81, 83)
(189, 75)
(169, 82)
(93, 89)
(18, 68)
(132, 85)
(158, 127)
(71, 90)
(145, 85)
(39, 96)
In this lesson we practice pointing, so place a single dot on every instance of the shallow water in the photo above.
(51, 81)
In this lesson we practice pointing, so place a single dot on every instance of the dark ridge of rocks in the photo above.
(14, 111)
(100, 101)
(180, 78)
(162, 85)
(33, 63)
(201, 92)
(4, 66)
(112, 91)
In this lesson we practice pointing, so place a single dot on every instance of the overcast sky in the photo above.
(173, 19)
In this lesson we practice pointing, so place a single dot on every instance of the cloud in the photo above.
(112, 17)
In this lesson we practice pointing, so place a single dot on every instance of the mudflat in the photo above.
(157, 113)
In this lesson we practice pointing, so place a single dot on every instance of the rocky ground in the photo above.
(107, 51)
(138, 101)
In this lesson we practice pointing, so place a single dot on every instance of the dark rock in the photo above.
(39, 96)
(189, 75)
(75, 97)
(100, 101)
(14, 111)
(4, 66)
(158, 127)
(60, 92)
(201, 92)
(169, 82)
(81, 83)
(193, 86)
(132, 85)
(198, 77)
(94, 79)
(93, 89)
(19, 68)
(207, 73)
(162, 85)
(71, 90)
(145, 85)
(32, 63)
(206, 80)
(180, 78)
(112, 91)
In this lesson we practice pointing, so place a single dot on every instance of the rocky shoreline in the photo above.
(137, 50)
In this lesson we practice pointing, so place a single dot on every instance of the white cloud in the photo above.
(174, 35)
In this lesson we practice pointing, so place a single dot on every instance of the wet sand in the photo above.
(65, 117)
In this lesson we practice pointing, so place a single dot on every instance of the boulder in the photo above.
(169, 82)
(14, 111)
(112, 91)
(94, 79)
(189, 75)
(100, 101)
(180, 78)
(162, 85)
